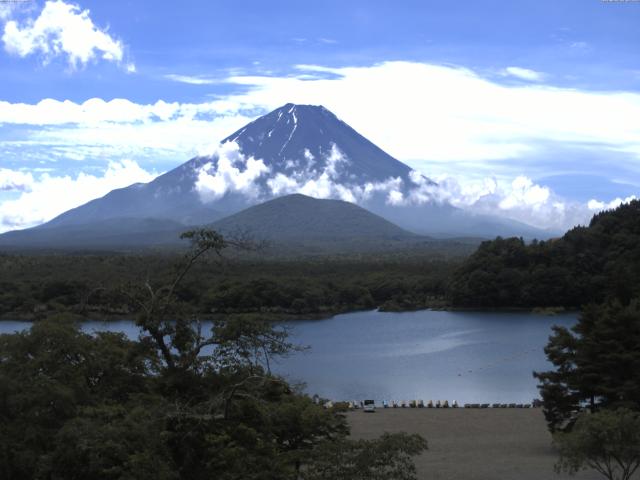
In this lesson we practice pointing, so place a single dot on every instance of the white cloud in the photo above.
(520, 199)
(63, 30)
(597, 205)
(48, 196)
(15, 180)
(523, 74)
(118, 128)
(232, 172)
(524, 193)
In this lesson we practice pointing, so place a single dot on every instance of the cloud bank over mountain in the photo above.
(522, 199)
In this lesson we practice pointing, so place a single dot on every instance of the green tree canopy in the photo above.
(607, 441)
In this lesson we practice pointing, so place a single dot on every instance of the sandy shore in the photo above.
(466, 444)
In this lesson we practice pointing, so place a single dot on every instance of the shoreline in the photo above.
(285, 317)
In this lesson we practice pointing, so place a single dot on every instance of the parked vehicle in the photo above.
(369, 406)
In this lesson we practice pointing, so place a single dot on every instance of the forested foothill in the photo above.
(588, 264)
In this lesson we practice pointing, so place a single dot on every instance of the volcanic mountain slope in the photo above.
(304, 139)
(294, 149)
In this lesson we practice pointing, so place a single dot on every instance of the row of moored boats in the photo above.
(370, 404)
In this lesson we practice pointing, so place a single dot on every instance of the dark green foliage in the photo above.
(389, 457)
(588, 264)
(607, 441)
(596, 364)
(76, 406)
(91, 285)
(49, 376)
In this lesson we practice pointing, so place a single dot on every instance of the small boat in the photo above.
(445, 404)
(430, 404)
(455, 404)
(420, 403)
(438, 404)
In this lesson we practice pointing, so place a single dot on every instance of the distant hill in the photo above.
(109, 234)
(301, 220)
(587, 264)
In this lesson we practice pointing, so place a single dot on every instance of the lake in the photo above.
(471, 357)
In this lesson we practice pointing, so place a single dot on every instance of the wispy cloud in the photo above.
(191, 80)
(523, 74)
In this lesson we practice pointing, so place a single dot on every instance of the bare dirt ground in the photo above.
(472, 444)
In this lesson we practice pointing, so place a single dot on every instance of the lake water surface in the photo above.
(471, 357)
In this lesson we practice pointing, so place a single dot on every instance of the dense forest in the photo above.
(588, 264)
(34, 286)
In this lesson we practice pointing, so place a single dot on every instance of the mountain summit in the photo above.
(297, 138)
(295, 149)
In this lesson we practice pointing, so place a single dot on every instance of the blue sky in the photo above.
(522, 108)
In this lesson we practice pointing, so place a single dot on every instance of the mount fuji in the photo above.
(295, 149)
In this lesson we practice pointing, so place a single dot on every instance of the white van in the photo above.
(369, 406)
